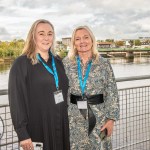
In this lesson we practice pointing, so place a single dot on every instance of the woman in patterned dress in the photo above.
(93, 100)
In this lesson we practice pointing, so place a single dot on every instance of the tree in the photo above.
(131, 42)
(1, 52)
(137, 42)
(3, 45)
(119, 43)
(21, 40)
(109, 40)
(100, 40)
(11, 49)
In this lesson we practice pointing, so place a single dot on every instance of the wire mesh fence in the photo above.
(9, 140)
(131, 132)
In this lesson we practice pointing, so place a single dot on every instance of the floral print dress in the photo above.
(100, 81)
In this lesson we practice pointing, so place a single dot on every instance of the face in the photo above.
(83, 41)
(43, 37)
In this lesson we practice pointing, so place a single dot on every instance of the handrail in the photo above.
(4, 105)
(121, 79)
(3, 92)
(9, 143)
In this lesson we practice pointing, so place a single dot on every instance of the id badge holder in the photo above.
(82, 104)
(58, 96)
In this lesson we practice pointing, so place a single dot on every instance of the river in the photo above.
(122, 68)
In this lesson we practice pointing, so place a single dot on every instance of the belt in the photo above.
(91, 99)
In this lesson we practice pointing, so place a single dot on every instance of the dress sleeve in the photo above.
(17, 93)
(111, 97)
(67, 68)
(66, 65)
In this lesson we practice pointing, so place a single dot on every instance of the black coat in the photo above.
(34, 112)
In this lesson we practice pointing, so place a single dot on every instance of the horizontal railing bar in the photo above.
(133, 116)
(4, 105)
(132, 144)
(3, 92)
(122, 79)
(135, 87)
(9, 143)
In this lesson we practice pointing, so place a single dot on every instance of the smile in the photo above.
(45, 43)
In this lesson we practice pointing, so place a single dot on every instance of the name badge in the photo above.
(58, 97)
(82, 104)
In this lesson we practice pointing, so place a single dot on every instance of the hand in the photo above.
(27, 144)
(109, 126)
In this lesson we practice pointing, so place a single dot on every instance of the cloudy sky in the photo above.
(117, 19)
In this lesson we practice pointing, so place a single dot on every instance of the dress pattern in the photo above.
(101, 80)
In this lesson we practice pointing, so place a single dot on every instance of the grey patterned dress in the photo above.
(100, 81)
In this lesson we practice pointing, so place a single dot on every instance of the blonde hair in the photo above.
(73, 52)
(29, 48)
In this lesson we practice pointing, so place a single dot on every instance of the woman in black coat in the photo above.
(38, 92)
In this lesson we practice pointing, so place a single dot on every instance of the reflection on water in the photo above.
(127, 68)
(135, 60)
(4, 73)
(122, 68)
(4, 67)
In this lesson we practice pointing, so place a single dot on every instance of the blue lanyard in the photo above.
(83, 82)
(53, 72)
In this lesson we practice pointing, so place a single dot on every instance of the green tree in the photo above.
(62, 53)
(119, 43)
(109, 40)
(131, 42)
(137, 43)
(1, 52)
(10, 52)
(11, 49)
(3, 45)
(100, 40)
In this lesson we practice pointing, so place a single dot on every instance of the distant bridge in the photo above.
(128, 53)
(124, 50)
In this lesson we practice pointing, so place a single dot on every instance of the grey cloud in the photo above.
(3, 31)
(119, 22)
(108, 18)
(38, 3)
(4, 34)
(64, 31)
(118, 5)
(9, 12)
(2, 8)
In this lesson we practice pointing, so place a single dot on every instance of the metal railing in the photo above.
(131, 132)
(9, 140)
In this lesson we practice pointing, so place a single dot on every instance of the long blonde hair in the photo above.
(29, 48)
(73, 52)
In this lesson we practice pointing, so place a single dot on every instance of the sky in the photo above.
(108, 19)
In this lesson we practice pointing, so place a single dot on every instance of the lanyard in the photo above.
(83, 82)
(53, 72)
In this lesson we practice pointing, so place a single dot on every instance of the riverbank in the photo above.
(6, 59)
